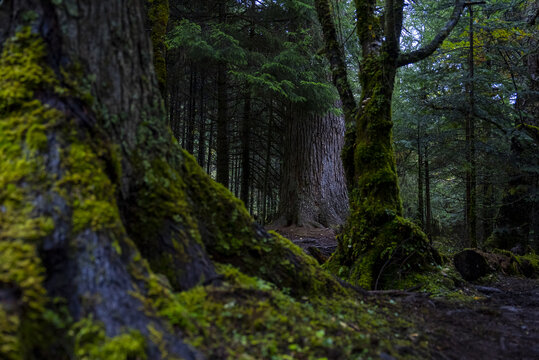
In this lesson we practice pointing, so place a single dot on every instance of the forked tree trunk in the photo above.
(377, 241)
(313, 188)
(96, 197)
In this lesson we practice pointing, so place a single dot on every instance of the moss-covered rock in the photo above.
(474, 263)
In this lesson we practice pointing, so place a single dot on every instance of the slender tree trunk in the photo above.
(313, 189)
(471, 201)
(190, 121)
(246, 150)
(267, 163)
(210, 148)
(201, 156)
(428, 210)
(420, 202)
(223, 144)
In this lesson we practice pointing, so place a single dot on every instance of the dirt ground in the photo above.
(501, 323)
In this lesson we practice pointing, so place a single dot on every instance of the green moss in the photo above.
(90, 190)
(370, 254)
(91, 343)
(249, 318)
(377, 243)
(520, 265)
(24, 123)
(20, 269)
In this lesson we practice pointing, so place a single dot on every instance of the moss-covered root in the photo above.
(231, 236)
(372, 257)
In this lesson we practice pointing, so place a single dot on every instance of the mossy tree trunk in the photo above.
(377, 241)
(102, 214)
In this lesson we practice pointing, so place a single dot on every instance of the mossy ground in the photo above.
(249, 318)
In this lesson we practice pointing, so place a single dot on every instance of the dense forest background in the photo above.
(155, 155)
(465, 135)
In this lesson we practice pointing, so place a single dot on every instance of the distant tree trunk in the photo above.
(313, 188)
(428, 208)
(210, 148)
(420, 201)
(96, 197)
(223, 145)
(190, 121)
(246, 150)
(471, 191)
(201, 156)
(267, 163)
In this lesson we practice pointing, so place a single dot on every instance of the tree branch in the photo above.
(393, 25)
(427, 50)
(335, 56)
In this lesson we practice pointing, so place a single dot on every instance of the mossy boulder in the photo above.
(473, 264)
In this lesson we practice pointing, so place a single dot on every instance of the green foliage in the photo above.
(274, 61)
(214, 45)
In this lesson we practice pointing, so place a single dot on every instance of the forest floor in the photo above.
(497, 318)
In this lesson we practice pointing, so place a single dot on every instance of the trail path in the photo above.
(502, 323)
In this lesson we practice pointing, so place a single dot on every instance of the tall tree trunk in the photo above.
(190, 121)
(313, 188)
(223, 144)
(246, 150)
(428, 208)
(420, 201)
(471, 201)
(267, 163)
(201, 155)
(96, 197)
(376, 239)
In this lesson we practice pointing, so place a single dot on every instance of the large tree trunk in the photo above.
(313, 188)
(377, 241)
(96, 197)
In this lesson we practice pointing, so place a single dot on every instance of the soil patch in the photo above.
(322, 239)
(501, 323)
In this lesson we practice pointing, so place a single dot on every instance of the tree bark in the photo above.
(471, 201)
(96, 197)
(420, 201)
(313, 189)
(428, 208)
(246, 150)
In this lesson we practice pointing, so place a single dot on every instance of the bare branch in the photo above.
(427, 50)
